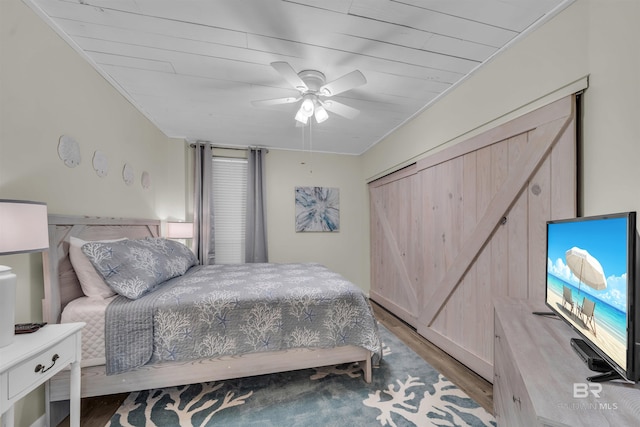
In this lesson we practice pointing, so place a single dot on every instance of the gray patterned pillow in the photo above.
(134, 267)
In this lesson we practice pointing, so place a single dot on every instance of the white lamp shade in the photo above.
(23, 227)
(179, 230)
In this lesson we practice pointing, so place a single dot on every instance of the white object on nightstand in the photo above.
(7, 304)
(32, 359)
(23, 229)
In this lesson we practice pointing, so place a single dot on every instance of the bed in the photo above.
(65, 301)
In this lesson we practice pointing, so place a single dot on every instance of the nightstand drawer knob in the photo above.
(41, 368)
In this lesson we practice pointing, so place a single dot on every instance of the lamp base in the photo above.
(7, 305)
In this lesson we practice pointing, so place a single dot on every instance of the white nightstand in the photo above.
(34, 358)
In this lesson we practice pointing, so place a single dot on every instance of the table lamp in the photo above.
(23, 229)
(179, 230)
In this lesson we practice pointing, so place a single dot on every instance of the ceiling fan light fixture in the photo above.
(321, 114)
(301, 117)
(312, 85)
(307, 106)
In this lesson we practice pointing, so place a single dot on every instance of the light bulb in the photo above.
(307, 106)
(301, 117)
(321, 114)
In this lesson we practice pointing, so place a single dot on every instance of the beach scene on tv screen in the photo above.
(587, 280)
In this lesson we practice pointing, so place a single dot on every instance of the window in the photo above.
(229, 208)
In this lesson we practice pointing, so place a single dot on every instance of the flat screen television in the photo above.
(592, 273)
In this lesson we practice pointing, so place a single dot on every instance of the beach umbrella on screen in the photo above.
(586, 268)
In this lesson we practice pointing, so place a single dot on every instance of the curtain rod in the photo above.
(193, 144)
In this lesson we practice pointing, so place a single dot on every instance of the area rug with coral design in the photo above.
(405, 391)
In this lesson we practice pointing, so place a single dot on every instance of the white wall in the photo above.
(47, 90)
(611, 171)
(594, 38)
(341, 251)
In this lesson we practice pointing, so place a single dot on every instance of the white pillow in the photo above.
(93, 285)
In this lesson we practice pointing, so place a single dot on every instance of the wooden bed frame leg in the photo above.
(367, 370)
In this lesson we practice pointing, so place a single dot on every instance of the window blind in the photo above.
(229, 206)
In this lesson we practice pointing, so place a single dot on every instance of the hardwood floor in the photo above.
(96, 411)
(468, 381)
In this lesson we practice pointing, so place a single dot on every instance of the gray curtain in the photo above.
(256, 225)
(203, 224)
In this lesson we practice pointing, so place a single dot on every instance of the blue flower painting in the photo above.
(317, 209)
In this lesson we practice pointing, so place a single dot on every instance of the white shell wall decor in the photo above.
(128, 174)
(146, 180)
(100, 163)
(69, 151)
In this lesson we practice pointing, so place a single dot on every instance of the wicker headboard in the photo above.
(60, 282)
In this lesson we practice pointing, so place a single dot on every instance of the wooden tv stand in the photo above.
(537, 374)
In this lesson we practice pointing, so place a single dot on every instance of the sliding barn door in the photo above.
(396, 253)
(466, 224)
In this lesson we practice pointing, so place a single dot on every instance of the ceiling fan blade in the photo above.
(341, 109)
(290, 75)
(276, 101)
(343, 84)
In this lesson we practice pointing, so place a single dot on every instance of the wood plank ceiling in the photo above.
(193, 67)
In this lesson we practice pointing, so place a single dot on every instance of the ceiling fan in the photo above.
(314, 93)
